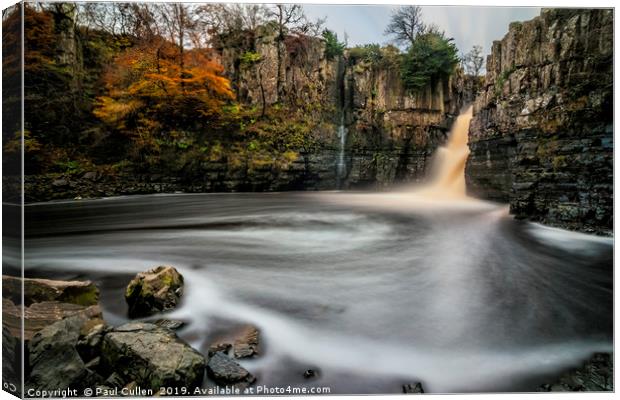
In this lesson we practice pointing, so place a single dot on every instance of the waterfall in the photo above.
(341, 167)
(447, 177)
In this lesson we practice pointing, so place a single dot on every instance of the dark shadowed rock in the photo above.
(413, 388)
(91, 338)
(54, 359)
(115, 380)
(11, 356)
(152, 356)
(156, 290)
(225, 371)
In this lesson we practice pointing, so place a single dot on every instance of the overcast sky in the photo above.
(467, 25)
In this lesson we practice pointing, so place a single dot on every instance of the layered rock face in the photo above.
(390, 134)
(542, 133)
(393, 134)
(306, 74)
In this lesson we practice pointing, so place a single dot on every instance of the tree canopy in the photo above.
(432, 56)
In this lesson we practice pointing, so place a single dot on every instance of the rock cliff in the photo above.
(542, 133)
(393, 133)
(389, 134)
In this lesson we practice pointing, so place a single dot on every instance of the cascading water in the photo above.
(447, 175)
(341, 167)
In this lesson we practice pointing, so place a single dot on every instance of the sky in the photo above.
(468, 26)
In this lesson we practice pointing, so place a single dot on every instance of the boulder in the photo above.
(83, 293)
(40, 315)
(156, 290)
(226, 371)
(54, 359)
(152, 356)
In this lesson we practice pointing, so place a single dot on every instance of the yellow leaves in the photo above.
(31, 144)
(112, 111)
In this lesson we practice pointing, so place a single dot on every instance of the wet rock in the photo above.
(246, 344)
(596, 375)
(242, 341)
(413, 388)
(224, 370)
(156, 290)
(54, 359)
(152, 356)
(83, 293)
(219, 348)
(172, 324)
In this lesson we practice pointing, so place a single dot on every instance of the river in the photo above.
(374, 290)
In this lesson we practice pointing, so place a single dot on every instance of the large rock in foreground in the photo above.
(152, 356)
(83, 293)
(156, 290)
(54, 360)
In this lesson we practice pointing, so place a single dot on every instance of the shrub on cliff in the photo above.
(333, 47)
(431, 57)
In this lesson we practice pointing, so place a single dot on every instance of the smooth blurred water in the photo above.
(374, 290)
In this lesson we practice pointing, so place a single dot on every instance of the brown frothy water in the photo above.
(448, 170)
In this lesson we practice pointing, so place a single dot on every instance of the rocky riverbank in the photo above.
(68, 344)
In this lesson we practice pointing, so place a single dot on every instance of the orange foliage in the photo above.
(160, 75)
